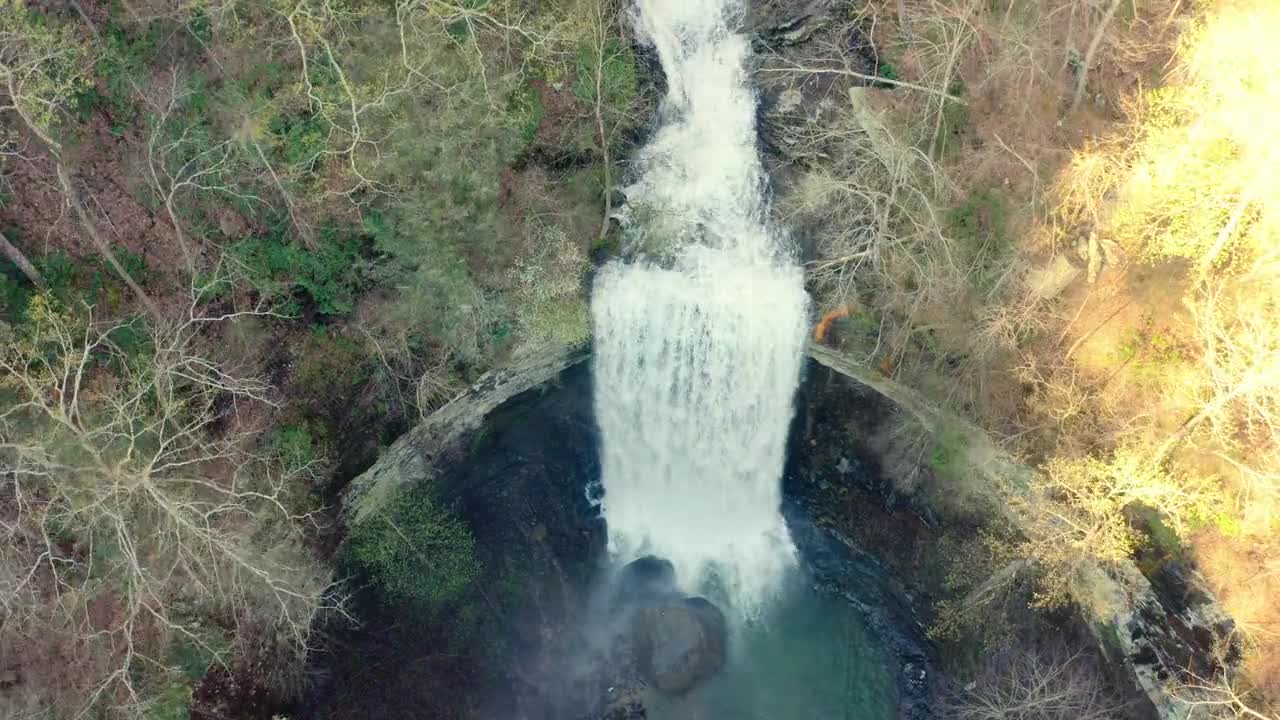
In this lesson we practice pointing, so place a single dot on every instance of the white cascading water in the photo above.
(697, 354)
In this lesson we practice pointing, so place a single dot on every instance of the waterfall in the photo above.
(698, 345)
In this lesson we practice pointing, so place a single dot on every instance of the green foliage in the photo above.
(328, 277)
(193, 656)
(558, 322)
(438, 292)
(129, 55)
(132, 341)
(948, 455)
(71, 281)
(330, 371)
(200, 25)
(527, 110)
(1156, 533)
(980, 218)
(618, 81)
(980, 227)
(439, 239)
(15, 291)
(303, 449)
(300, 139)
(1152, 352)
(122, 69)
(297, 444)
(548, 300)
(951, 123)
(414, 550)
(44, 63)
(172, 702)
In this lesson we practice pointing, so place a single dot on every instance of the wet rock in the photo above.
(788, 22)
(630, 710)
(679, 643)
(646, 579)
(840, 568)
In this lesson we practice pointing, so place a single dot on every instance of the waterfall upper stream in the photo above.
(698, 344)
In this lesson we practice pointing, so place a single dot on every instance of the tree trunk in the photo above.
(100, 243)
(17, 258)
(1093, 49)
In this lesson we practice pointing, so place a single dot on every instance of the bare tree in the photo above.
(128, 479)
(357, 111)
(1237, 328)
(1090, 54)
(1221, 700)
(179, 165)
(41, 67)
(1052, 684)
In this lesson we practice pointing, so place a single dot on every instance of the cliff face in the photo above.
(1154, 630)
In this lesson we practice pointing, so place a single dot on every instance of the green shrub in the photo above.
(955, 118)
(414, 550)
(980, 227)
(15, 292)
(193, 656)
(329, 276)
(1153, 353)
(71, 281)
(297, 444)
(300, 138)
(304, 452)
(618, 80)
(122, 67)
(329, 374)
(438, 293)
(172, 702)
(527, 110)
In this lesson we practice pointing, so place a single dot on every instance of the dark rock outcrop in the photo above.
(788, 22)
(414, 456)
(644, 580)
(842, 569)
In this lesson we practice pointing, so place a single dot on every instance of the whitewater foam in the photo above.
(698, 347)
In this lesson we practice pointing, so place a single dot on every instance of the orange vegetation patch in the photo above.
(824, 325)
(1245, 575)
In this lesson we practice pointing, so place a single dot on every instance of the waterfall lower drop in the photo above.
(698, 347)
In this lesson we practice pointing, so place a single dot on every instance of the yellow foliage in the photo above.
(42, 65)
(1088, 518)
(1199, 181)
(1196, 178)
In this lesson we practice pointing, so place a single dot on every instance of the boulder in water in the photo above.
(645, 580)
(679, 643)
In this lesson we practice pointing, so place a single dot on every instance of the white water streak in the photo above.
(696, 360)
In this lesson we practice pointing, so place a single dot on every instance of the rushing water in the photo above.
(698, 347)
